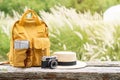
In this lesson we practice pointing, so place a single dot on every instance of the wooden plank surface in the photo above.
(93, 71)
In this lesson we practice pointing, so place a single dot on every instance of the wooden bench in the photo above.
(93, 71)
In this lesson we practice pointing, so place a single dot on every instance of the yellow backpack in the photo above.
(29, 41)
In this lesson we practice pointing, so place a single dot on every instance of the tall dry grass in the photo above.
(84, 33)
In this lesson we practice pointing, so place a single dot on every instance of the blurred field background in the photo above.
(74, 25)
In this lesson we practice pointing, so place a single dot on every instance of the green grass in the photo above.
(83, 33)
(4, 45)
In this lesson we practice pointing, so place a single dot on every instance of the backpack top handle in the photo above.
(34, 16)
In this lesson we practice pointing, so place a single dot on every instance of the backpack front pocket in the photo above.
(19, 57)
(41, 46)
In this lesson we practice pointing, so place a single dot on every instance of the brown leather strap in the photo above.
(3, 63)
(27, 57)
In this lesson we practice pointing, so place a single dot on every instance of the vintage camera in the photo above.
(49, 62)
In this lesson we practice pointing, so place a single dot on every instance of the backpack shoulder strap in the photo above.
(42, 22)
(42, 27)
(20, 29)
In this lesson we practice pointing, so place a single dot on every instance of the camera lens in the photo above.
(53, 64)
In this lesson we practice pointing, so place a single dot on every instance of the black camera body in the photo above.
(49, 62)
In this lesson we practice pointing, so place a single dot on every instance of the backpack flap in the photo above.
(41, 43)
